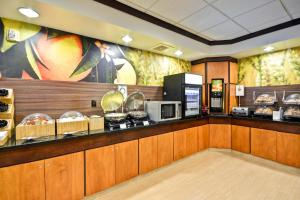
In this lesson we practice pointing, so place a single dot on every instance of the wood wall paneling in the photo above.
(147, 154)
(233, 100)
(199, 69)
(64, 177)
(217, 70)
(233, 73)
(240, 137)
(203, 137)
(56, 97)
(288, 149)
(100, 169)
(23, 182)
(127, 160)
(263, 143)
(220, 136)
(165, 149)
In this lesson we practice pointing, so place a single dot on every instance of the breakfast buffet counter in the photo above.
(22, 152)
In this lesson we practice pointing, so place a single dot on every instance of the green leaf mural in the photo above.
(276, 68)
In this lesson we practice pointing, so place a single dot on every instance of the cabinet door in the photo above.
(240, 137)
(165, 149)
(179, 144)
(203, 137)
(23, 182)
(288, 149)
(126, 155)
(147, 154)
(263, 143)
(220, 136)
(191, 141)
(64, 176)
(100, 169)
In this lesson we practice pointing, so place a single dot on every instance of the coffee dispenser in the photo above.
(217, 91)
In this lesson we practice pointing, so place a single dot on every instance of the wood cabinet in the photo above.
(217, 70)
(23, 182)
(165, 149)
(220, 136)
(185, 142)
(100, 169)
(127, 160)
(191, 141)
(263, 143)
(64, 177)
(203, 137)
(240, 137)
(147, 154)
(288, 149)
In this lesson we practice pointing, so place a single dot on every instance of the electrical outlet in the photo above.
(94, 103)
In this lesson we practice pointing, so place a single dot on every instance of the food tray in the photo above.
(263, 111)
(96, 123)
(292, 99)
(9, 99)
(265, 99)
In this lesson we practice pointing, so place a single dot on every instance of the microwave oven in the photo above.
(163, 110)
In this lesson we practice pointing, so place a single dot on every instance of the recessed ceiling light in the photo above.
(178, 53)
(28, 12)
(268, 49)
(127, 38)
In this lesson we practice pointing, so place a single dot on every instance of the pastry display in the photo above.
(37, 119)
(292, 99)
(71, 116)
(265, 99)
(3, 123)
(292, 111)
(3, 107)
(264, 111)
(3, 92)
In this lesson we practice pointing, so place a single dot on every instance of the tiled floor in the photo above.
(212, 175)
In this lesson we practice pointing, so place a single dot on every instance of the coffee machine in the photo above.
(217, 91)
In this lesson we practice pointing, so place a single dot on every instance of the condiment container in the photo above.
(72, 122)
(96, 123)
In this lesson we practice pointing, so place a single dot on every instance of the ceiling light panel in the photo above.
(28, 12)
(234, 8)
(265, 14)
(204, 19)
(177, 10)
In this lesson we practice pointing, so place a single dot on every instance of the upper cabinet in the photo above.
(233, 73)
(217, 70)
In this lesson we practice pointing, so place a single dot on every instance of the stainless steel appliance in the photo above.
(217, 95)
(187, 88)
(163, 110)
(240, 111)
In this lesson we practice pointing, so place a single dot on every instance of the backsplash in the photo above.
(47, 54)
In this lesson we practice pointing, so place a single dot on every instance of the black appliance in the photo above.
(187, 88)
(217, 95)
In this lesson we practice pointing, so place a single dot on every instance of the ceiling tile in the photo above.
(142, 3)
(293, 6)
(263, 15)
(204, 19)
(269, 24)
(234, 8)
(177, 10)
(224, 31)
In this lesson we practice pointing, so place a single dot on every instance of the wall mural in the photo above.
(48, 54)
(277, 68)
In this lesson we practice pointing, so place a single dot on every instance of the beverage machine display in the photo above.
(217, 95)
(187, 88)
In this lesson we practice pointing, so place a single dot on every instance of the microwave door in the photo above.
(192, 101)
(168, 111)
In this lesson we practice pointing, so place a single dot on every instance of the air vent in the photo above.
(162, 47)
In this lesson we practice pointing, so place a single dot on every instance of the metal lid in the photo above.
(111, 101)
(135, 101)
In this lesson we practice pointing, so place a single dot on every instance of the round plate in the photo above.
(112, 101)
(135, 101)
